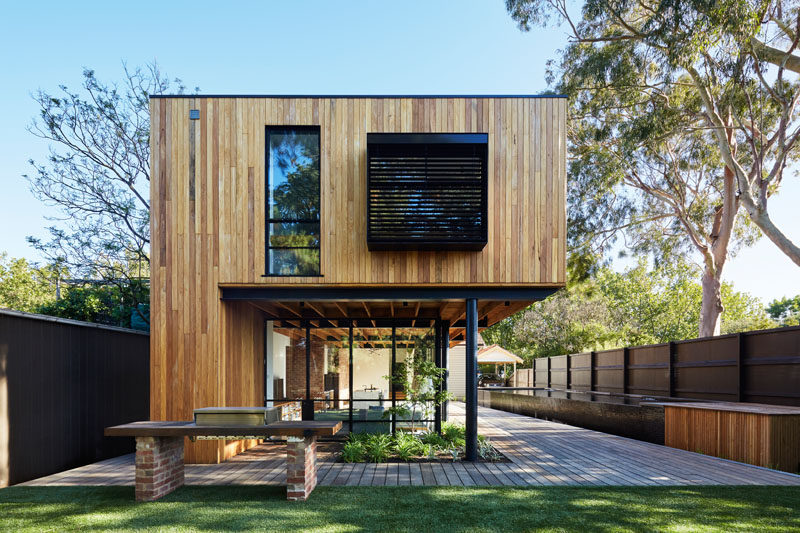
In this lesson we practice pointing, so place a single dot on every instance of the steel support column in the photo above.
(437, 358)
(445, 344)
(471, 357)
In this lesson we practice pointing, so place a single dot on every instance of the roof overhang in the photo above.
(386, 294)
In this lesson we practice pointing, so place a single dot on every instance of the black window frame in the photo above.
(268, 220)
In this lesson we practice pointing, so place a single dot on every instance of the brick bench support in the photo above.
(159, 451)
(301, 467)
(159, 467)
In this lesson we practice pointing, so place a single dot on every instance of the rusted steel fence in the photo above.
(62, 382)
(757, 366)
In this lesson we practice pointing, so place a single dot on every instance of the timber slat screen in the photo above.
(756, 366)
(61, 383)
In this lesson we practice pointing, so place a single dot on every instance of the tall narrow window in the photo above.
(293, 193)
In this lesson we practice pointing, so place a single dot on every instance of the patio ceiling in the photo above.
(327, 314)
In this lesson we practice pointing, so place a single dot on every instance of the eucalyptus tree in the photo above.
(97, 176)
(683, 113)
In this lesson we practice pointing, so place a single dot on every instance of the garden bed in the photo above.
(416, 448)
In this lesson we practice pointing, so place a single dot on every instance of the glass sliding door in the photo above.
(413, 390)
(369, 377)
(372, 360)
(329, 364)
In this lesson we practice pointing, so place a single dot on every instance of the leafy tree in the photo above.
(652, 305)
(613, 309)
(98, 176)
(101, 304)
(738, 57)
(785, 311)
(23, 286)
(682, 115)
(743, 312)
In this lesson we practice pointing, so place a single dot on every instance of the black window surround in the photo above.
(427, 191)
(280, 230)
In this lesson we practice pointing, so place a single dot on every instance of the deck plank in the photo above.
(541, 453)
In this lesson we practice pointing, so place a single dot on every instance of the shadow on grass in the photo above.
(229, 508)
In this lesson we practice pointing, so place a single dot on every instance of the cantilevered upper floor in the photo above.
(366, 191)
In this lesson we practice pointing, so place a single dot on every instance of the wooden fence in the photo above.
(61, 383)
(756, 366)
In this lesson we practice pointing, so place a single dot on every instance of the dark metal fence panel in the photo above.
(756, 366)
(541, 373)
(63, 382)
(706, 368)
(771, 367)
(558, 372)
(648, 370)
(580, 374)
(608, 370)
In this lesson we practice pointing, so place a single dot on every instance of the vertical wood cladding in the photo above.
(208, 213)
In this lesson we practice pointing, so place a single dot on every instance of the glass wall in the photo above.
(329, 375)
(368, 377)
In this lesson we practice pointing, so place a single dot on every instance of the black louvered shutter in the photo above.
(426, 191)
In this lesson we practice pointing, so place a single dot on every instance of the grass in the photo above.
(196, 508)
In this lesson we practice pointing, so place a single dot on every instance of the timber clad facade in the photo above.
(210, 233)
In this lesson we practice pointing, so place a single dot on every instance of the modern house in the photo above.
(305, 248)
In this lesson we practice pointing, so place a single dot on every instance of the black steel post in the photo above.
(739, 366)
(671, 369)
(471, 357)
(569, 372)
(391, 380)
(308, 403)
(625, 361)
(437, 358)
(350, 376)
(445, 342)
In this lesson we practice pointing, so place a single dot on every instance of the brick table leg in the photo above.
(159, 466)
(301, 467)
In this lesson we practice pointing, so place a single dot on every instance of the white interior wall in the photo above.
(277, 344)
(370, 368)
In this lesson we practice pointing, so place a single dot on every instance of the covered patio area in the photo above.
(541, 453)
(341, 353)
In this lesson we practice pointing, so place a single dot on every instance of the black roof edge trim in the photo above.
(358, 96)
(428, 138)
(385, 294)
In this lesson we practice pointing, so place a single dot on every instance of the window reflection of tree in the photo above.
(295, 204)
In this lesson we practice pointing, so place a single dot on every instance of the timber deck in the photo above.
(541, 453)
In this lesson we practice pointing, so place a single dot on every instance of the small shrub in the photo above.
(435, 440)
(455, 453)
(377, 447)
(361, 437)
(353, 452)
(407, 446)
(487, 452)
(454, 434)
(431, 451)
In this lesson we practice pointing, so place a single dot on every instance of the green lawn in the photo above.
(406, 509)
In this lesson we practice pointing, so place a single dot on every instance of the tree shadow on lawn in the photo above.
(234, 508)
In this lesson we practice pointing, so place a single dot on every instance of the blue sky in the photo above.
(332, 47)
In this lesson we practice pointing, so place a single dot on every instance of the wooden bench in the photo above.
(159, 451)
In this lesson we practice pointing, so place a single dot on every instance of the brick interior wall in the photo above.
(296, 370)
